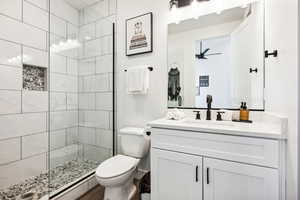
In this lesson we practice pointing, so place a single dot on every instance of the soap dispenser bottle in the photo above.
(244, 112)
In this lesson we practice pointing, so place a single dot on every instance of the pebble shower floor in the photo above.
(40, 185)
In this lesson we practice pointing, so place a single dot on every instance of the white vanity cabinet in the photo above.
(235, 181)
(176, 176)
(191, 165)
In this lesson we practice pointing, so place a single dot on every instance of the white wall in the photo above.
(138, 110)
(282, 77)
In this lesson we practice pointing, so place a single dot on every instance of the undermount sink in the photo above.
(209, 122)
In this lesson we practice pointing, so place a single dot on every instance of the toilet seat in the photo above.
(116, 166)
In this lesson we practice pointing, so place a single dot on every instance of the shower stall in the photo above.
(57, 113)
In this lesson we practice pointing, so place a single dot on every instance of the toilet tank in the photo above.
(134, 142)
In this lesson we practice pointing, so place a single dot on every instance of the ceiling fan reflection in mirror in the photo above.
(204, 53)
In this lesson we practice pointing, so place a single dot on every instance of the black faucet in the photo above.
(208, 112)
(198, 116)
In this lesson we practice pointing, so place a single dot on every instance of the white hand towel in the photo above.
(138, 80)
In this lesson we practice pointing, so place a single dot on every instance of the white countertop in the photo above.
(261, 129)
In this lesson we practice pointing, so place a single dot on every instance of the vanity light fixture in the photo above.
(174, 12)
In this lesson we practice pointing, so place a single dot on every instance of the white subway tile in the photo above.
(72, 31)
(58, 26)
(35, 57)
(112, 7)
(58, 63)
(72, 135)
(89, 83)
(40, 3)
(35, 16)
(97, 119)
(63, 119)
(104, 64)
(61, 156)
(34, 144)
(87, 66)
(10, 150)
(64, 10)
(58, 101)
(10, 78)
(96, 153)
(57, 139)
(92, 48)
(19, 171)
(104, 138)
(10, 53)
(80, 84)
(87, 101)
(72, 101)
(12, 8)
(11, 29)
(22, 124)
(87, 135)
(35, 101)
(106, 45)
(72, 67)
(63, 83)
(87, 32)
(102, 83)
(10, 102)
(104, 101)
(96, 11)
(104, 27)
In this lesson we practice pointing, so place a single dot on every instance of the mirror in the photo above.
(220, 55)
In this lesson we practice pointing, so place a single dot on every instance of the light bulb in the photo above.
(244, 5)
(194, 3)
(219, 7)
(174, 13)
(195, 6)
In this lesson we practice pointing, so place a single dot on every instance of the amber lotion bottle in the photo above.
(244, 112)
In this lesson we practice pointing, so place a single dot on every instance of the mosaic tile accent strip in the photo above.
(59, 176)
(34, 78)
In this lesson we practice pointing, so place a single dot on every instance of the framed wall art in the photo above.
(139, 34)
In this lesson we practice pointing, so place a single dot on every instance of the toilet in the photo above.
(116, 174)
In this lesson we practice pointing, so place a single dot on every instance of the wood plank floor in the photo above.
(97, 193)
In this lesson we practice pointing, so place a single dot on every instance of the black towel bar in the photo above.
(150, 69)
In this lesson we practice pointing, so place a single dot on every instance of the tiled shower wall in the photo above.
(95, 80)
(64, 25)
(23, 113)
(80, 86)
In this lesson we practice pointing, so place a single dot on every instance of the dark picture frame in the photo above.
(139, 34)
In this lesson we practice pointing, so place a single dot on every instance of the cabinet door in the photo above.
(225, 180)
(175, 176)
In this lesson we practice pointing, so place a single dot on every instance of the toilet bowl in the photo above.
(116, 174)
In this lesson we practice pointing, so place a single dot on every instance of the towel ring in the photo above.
(150, 69)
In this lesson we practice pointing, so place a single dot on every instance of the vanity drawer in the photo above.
(258, 151)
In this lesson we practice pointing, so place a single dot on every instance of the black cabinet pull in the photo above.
(274, 53)
(251, 70)
(197, 178)
(207, 175)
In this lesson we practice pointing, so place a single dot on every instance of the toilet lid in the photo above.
(116, 166)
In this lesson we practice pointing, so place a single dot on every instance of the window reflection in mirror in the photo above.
(220, 55)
